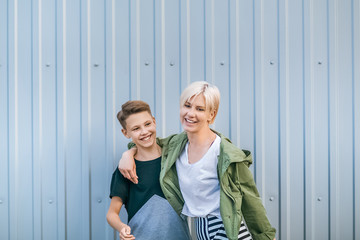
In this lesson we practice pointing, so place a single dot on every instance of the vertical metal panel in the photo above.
(60, 129)
(316, 123)
(291, 120)
(142, 50)
(4, 123)
(241, 64)
(20, 121)
(96, 106)
(44, 120)
(356, 113)
(341, 127)
(287, 72)
(192, 42)
(267, 106)
(217, 65)
(118, 83)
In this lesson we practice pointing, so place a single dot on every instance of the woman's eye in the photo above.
(147, 124)
(201, 109)
(187, 105)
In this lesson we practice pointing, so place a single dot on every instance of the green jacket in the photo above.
(238, 193)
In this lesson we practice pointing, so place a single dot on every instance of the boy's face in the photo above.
(141, 128)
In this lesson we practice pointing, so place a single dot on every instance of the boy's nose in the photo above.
(143, 131)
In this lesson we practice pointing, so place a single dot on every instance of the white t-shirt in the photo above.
(199, 183)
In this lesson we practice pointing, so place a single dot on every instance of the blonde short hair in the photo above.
(210, 92)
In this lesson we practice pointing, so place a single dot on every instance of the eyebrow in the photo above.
(187, 102)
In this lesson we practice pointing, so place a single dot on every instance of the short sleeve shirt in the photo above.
(199, 182)
(134, 196)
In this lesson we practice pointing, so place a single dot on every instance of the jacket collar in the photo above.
(229, 153)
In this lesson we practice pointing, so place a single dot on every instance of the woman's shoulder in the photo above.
(232, 152)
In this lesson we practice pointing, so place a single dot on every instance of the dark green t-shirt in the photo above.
(134, 196)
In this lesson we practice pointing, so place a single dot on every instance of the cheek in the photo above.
(182, 112)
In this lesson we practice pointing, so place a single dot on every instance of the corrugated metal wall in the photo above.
(288, 71)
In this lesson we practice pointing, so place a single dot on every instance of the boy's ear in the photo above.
(125, 133)
(154, 120)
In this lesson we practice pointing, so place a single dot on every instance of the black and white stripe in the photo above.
(212, 228)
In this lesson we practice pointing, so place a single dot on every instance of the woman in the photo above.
(204, 176)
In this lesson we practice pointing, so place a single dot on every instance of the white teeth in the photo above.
(147, 138)
(189, 121)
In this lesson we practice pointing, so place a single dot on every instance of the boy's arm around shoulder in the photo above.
(127, 165)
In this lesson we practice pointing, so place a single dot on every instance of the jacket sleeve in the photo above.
(252, 208)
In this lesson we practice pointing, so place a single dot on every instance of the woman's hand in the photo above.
(125, 233)
(127, 165)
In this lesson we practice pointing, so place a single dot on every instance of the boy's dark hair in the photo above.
(132, 107)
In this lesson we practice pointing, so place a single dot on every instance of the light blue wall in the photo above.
(288, 72)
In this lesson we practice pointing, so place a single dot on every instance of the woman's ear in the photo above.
(211, 116)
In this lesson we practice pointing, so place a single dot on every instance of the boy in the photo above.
(150, 216)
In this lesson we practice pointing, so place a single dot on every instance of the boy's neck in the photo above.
(149, 153)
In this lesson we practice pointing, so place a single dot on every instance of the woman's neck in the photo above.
(199, 144)
(201, 137)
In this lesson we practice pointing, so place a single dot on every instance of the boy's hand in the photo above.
(124, 233)
(127, 165)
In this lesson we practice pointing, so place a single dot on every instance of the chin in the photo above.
(149, 144)
(189, 129)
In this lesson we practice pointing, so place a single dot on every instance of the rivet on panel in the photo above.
(50, 201)
(146, 64)
(272, 63)
(96, 64)
(222, 63)
(99, 200)
(271, 199)
(172, 64)
(47, 64)
(319, 199)
(1, 201)
(319, 63)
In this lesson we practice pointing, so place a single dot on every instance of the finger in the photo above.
(124, 234)
(133, 177)
(126, 174)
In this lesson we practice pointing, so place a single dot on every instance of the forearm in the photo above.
(114, 221)
(255, 214)
(127, 165)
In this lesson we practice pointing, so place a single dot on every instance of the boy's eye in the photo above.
(187, 105)
(135, 129)
(201, 109)
(147, 124)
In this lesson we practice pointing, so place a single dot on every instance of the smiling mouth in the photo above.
(189, 121)
(146, 138)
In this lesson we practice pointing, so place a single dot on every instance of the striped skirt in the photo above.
(212, 228)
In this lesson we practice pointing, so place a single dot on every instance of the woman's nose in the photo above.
(191, 112)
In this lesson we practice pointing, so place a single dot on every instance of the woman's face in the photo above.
(194, 115)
